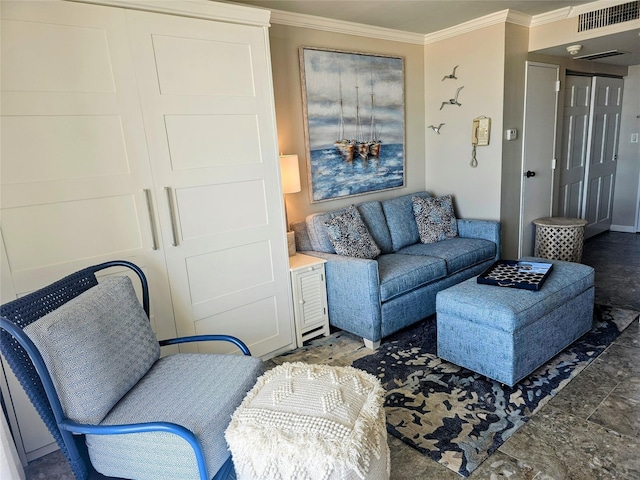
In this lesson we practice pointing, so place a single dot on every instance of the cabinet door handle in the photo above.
(152, 219)
(172, 216)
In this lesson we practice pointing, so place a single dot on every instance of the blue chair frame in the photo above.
(27, 364)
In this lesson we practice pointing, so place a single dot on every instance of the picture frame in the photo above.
(354, 120)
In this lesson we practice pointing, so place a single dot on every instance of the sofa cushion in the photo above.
(435, 218)
(402, 273)
(96, 347)
(372, 215)
(458, 253)
(350, 236)
(400, 220)
(374, 219)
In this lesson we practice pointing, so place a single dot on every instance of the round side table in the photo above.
(559, 238)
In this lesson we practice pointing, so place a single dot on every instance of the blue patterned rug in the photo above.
(458, 418)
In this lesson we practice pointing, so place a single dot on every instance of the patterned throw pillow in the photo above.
(350, 236)
(435, 218)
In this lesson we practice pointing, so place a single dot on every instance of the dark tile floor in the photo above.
(590, 430)
(616, 258)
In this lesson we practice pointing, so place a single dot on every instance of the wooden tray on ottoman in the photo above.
(516, 274)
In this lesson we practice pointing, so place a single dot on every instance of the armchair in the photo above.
(86, 356)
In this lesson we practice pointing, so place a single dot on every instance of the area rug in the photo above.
(458, 418)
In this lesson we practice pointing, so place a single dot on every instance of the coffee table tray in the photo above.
(516, 274)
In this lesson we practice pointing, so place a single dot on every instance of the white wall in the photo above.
(627, 189)
(480, 56)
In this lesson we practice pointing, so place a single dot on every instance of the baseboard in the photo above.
(622, 228)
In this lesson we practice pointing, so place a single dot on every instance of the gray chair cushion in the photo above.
(197, 391)
(96, 347)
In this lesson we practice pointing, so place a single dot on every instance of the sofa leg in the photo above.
(371, 344)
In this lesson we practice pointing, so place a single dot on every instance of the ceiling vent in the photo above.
(597, 56)
(609, 16)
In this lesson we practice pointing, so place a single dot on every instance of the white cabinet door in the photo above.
(74, 161)
(74, 156)
(207, 102)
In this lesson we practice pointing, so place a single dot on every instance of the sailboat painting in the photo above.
(354, 122)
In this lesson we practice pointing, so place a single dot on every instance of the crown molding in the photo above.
(348, 28)
(226, 12)
(504, 16)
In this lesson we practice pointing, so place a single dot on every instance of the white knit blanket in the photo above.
(309, 422)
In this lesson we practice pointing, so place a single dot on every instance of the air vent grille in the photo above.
(609, 16)
(597, 56)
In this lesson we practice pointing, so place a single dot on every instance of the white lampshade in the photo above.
(290, 173)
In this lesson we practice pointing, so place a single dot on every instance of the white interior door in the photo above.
(538, 149)
(606, 101)
(573, 156)
(205, 89)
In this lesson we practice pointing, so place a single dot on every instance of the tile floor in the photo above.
(590, 430)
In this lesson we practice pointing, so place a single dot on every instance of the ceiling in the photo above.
(429, 16)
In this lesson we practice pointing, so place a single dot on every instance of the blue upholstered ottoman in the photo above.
(506, 333)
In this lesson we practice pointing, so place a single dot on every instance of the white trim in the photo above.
(622, 228)
(348, 28)
(503, 16)
(550, 17)
(224, 12)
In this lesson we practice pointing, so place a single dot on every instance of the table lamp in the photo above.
(290, 176)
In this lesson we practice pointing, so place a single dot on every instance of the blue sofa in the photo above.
(375, 298)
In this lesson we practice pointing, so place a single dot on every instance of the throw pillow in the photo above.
(96, 347)
(435, 218)
(350, 236)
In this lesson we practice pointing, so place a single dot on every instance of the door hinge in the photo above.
(553, 163)
(557, 86)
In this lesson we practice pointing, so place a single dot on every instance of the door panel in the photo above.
(603, 153)
(541, 101)
(208, 117)
(573, 156)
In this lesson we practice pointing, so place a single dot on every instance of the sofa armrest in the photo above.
(483, 229)
(353, 294)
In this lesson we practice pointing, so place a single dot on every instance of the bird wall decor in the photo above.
(453, 101)
(453, 74)
(436, 129)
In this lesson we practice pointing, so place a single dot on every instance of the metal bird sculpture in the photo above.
(453, 101)
(436, 129)
(452, 76)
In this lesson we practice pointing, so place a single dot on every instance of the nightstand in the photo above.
(309, 289)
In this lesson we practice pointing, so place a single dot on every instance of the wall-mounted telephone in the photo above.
(480, 133)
